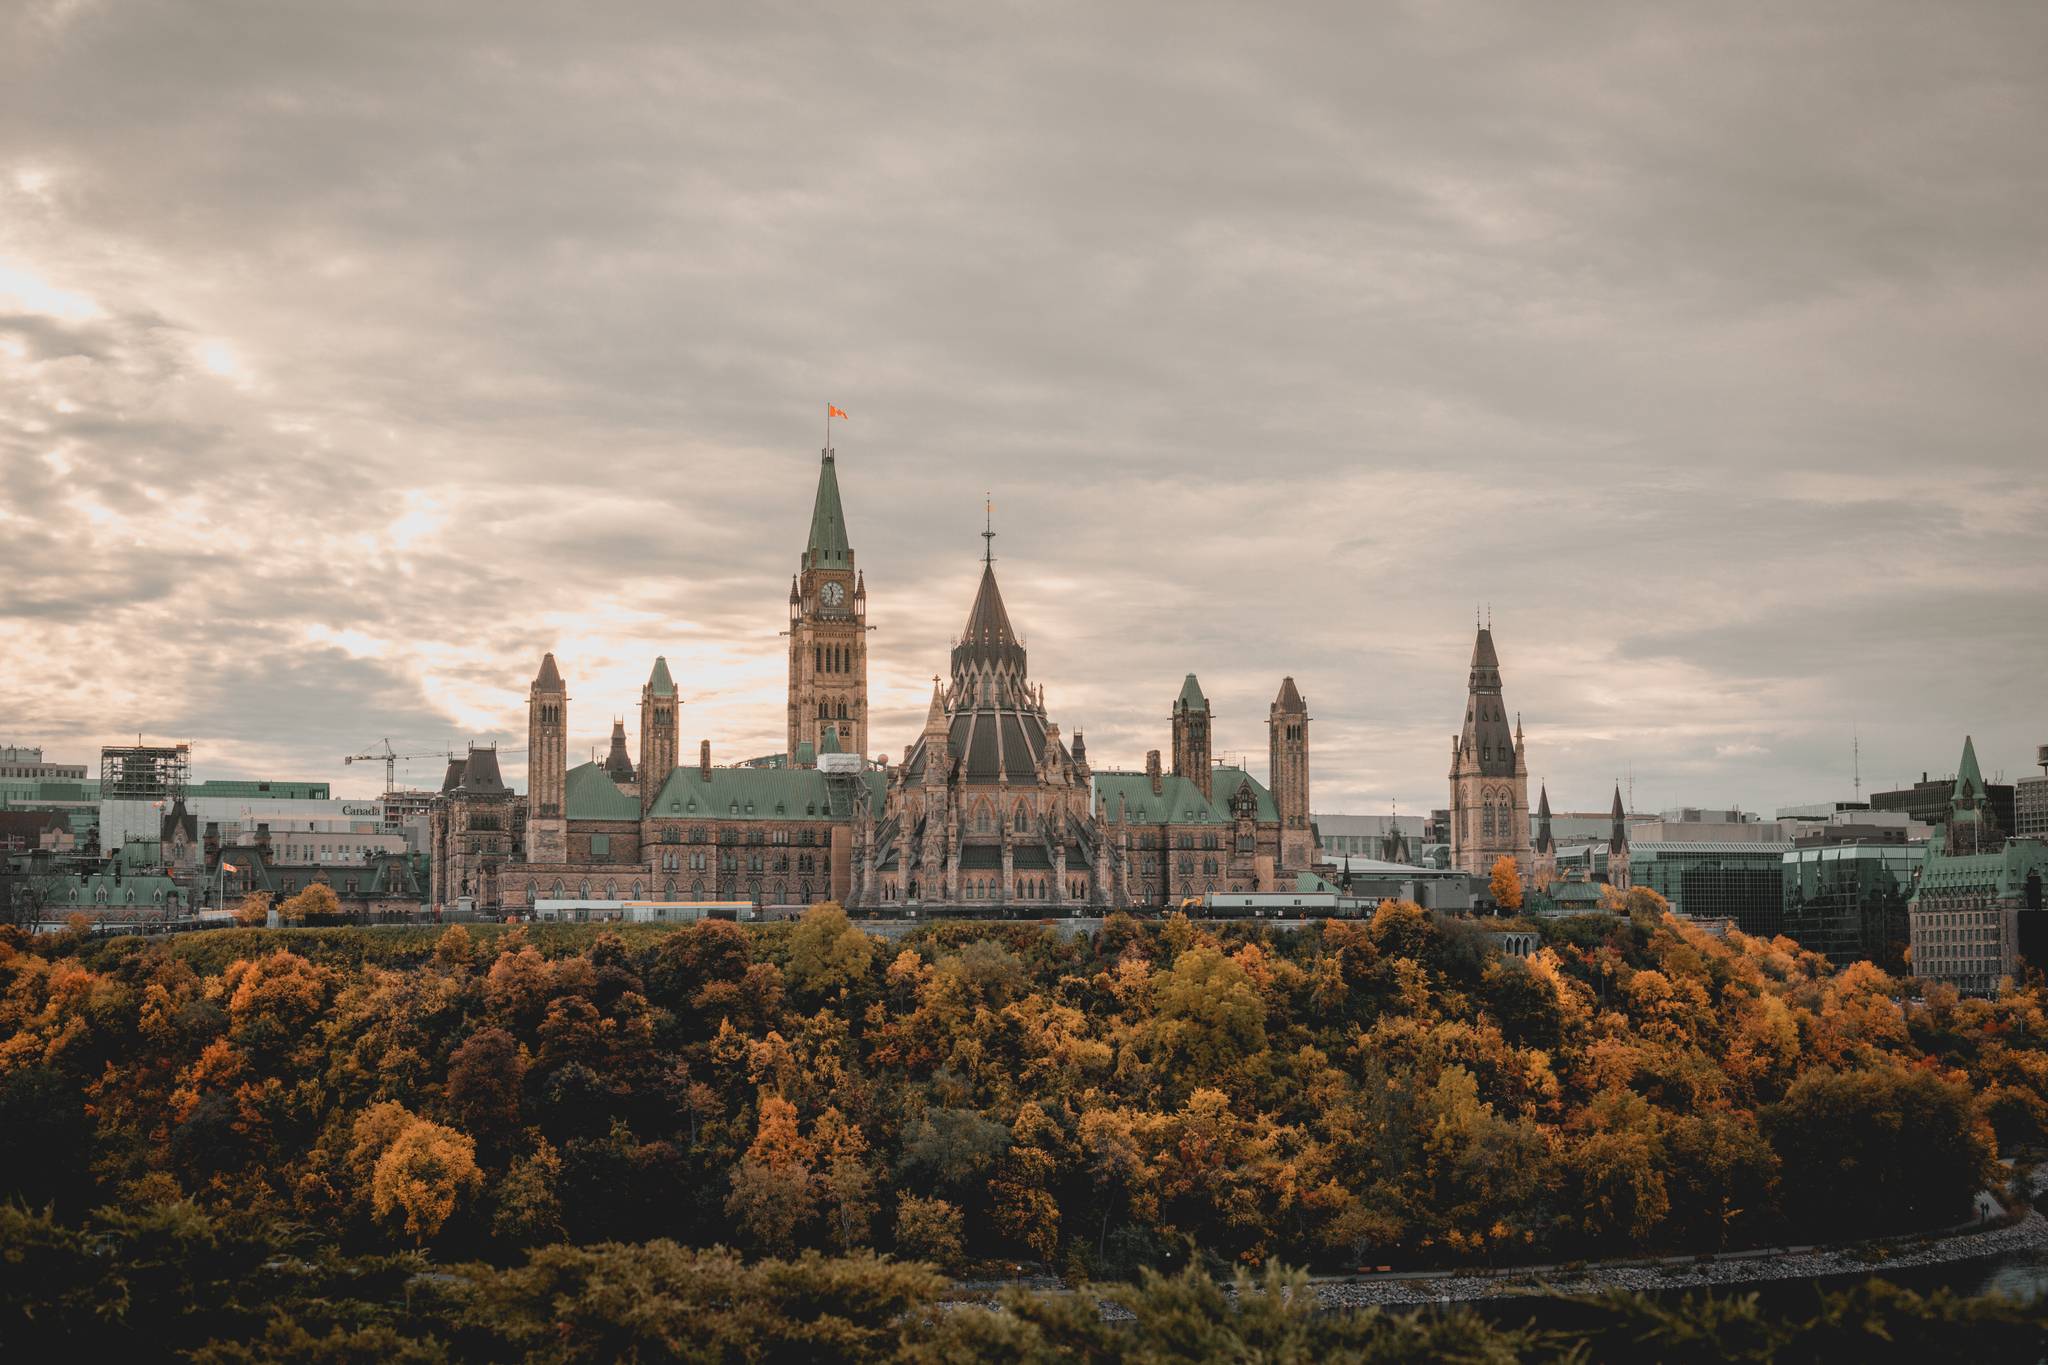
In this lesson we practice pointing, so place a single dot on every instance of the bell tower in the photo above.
(658, 753)
(547, 759)
(1191, 736)
(828, 633)
(1287, 771)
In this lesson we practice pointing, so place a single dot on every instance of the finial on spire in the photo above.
(988, 530)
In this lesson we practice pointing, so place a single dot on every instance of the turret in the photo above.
(659, 727)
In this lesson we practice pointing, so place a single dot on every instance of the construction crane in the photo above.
(391, 758)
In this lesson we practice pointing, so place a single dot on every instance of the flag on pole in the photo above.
(229, 867)
(831, 411)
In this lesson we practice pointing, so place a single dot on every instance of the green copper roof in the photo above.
(1191, 695)
(660, 684)
(1310, 882)
(758, 793)
(1180, 801)
(828, 549)
(828, 743)
(806, 754)
(1969, 778)
(592, 795)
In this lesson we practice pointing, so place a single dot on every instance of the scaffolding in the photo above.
(145, 772)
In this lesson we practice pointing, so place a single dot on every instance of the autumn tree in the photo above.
(826, 952)
(422, 1176)
(485, 1077)
(253, 910)
(774, 1186)
(317, 904)
(1506, 883)
(928, 1230)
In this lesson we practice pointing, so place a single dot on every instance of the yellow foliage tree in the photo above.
(317, 901)
(1506, 883)
(254, 910)
(422, 1176)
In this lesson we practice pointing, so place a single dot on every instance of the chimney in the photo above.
(1152, 771)
(704, 760)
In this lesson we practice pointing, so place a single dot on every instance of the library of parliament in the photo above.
(990, 804)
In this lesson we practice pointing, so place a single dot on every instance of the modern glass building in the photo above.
(1709, 879)
(1847, 902)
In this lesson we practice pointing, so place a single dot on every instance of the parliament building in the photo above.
(988, 807)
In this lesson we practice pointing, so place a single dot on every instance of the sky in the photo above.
(353, 354)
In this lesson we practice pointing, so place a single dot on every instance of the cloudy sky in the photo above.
(354, 353)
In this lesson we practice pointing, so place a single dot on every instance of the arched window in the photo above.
(697, 889)
(558, 891)
(586, 891)
(983, 822)
(1023, 818)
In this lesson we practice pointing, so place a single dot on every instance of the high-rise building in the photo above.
(2030, 802)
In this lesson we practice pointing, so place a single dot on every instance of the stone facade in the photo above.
(988, 808)
(828, 634)
(1489, 775)
(1963, 920)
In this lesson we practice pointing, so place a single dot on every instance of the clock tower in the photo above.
(828, 633)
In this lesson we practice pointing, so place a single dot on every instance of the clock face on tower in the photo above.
(832, 594)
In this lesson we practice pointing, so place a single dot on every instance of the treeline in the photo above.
(1382, 1092)
(170, 1282)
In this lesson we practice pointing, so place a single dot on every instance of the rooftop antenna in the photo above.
(1856, 759)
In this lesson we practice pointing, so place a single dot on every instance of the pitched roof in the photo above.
(1482, 650)
(1180, 801)
(1290, 697)
(589, 793)
(454, 778)
(827, 548)
(659, 683)
(828, 743)
(1191, 695)
(988, 638)
(549, 679)
(480, 774)
(760, 793)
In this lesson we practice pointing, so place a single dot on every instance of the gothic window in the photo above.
(1186, 866)
(824, 711)
(697, 835)
(1023, 818)
(1209, 867)
(586, 891)
(983, 822)
(697, 888)
(558, 891)
(842, 710)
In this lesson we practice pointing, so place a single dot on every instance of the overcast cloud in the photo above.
(352, 354)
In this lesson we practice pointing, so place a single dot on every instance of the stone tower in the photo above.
(828, 636)
(1489, 775)
(658, 733)
(547, 766)
(1191, 736)
(1617, 846)
(1287, 771)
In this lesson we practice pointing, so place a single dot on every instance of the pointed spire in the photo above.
(1191, 697)
(828, 548)
(659, 683)
(1969, 778)
(549, 679)
(616, 764)
(935, 718)
(1543, 803)
(1290, 697)
(988, 640)
(1482, 650)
